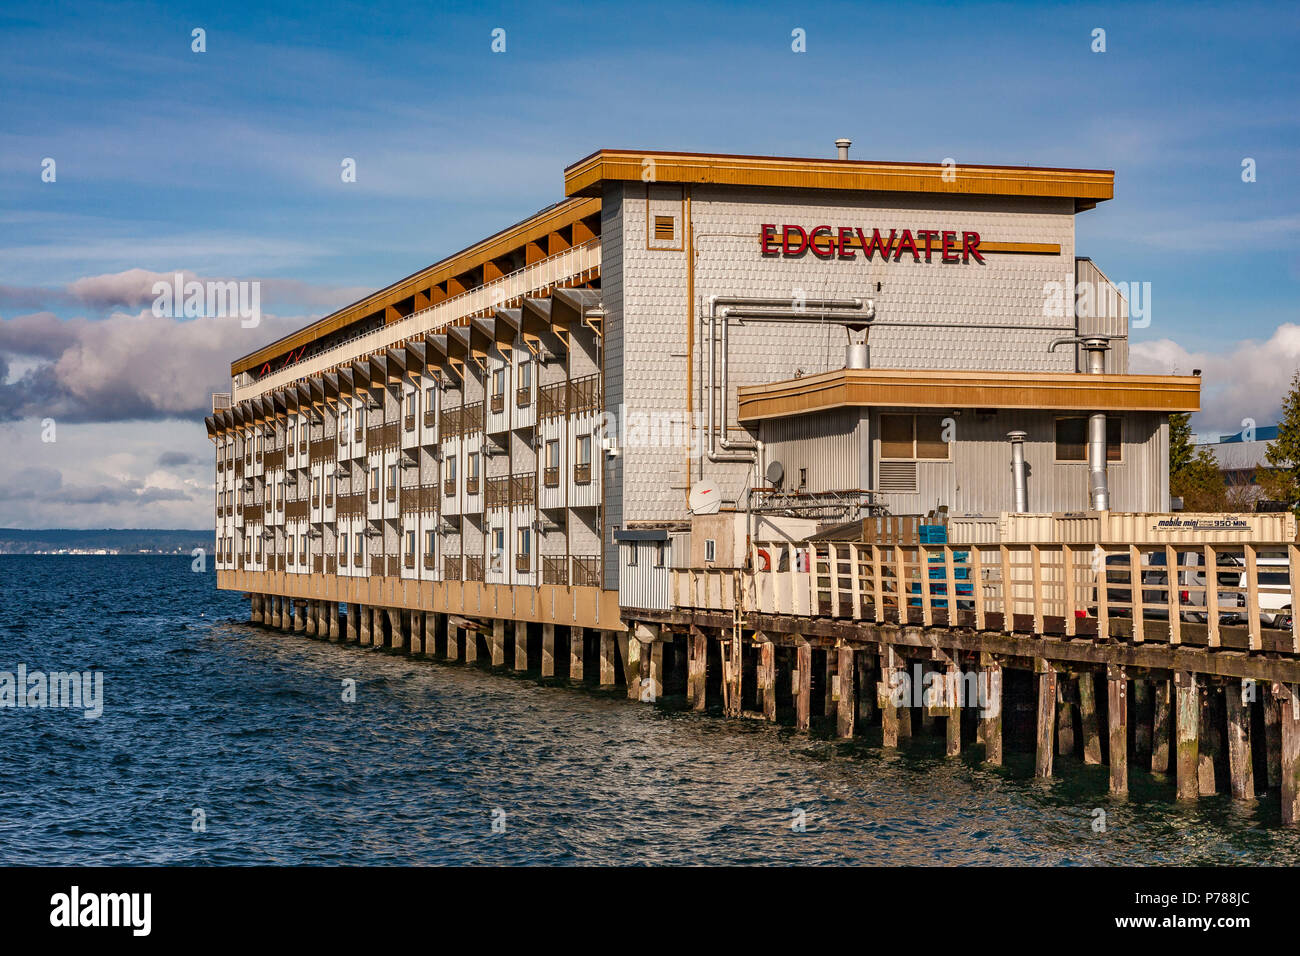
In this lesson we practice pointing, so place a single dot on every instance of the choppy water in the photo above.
(203, 711)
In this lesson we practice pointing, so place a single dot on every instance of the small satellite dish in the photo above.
(705, 499)
(775, 474)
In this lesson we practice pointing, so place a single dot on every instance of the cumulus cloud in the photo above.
(125, 367)
(46, 486)
(1244, 380)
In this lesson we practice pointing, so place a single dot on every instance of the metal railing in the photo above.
(572, 264)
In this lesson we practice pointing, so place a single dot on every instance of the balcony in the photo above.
(586, 571)
(329, 565)
(584, 393)
(393, 570)
(451, 567)
(572, 266)
(302, 559)
(552, 400)
(523, 563)
(409, 423)
(523, 396)
(474, 567)
(449, 486)
(428, 419)
(551, 477)
(555, 570)
(357, 433)
(498, 403)
(318, 564)
(408, 561)
(315, 501)
(428, 562)
(374, 496)
(471, 418)
(471, 485)
(302, 446)
(377, 567)
(390, 493)
(582, 474)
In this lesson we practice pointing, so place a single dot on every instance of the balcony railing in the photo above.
(586, 571)
(409, 423)
(580, 262)
(374, 496)
(408, 561)
(523, 395)
(390, 493)
(429, 419)
(318, 563)
(551, 477)
(393, 569)
(555, 570)
(474, 567)
(523, 563)
(498, 403)
(451, 567)
(377, 567)
(449, 486)
(471, 485)
(552, 400)
(584, 393)
(582, 474)
(428, 562)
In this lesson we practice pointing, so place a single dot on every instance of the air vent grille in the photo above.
(665, 228)
(897, 477)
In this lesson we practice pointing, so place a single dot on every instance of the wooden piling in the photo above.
(454, 636)
(847, 706)
(1046, 718)
(1241, 772)
(365, 624)
(952, 680)
(1088, 722)
(630, 650)
(1288, 696)
(1272, 735)
(830, 672)
(866, 686)
(889, 678)
(607, 659)
(471, 646)
(577, 645)
(991, 714)
(548, 650)
(416, 623)
(309, 627)
(498, 643)
(654, 671)
(1064, 716)
(1187, 718)
(767, 679)
(1161, 724)
(697, 667)
(377, 626)
(395, 622)
(1141, 722)
(430, 633)
(801, 687)
(521, 645)
(1208, 744)
(1117, 717)
(300, 616)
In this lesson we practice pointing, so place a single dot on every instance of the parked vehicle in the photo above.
(1273, 578)
(1191, 580)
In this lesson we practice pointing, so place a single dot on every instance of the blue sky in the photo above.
(226, 163)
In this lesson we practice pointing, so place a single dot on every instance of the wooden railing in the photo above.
(1074, 590)
(474, 567)
(555, 570)
(586, 571)
(451, 567)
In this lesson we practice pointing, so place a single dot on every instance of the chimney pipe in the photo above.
(843, 145)
(1017, 439)
(857, 354)
(1094, 352)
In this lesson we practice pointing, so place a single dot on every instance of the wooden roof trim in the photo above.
(584, 177)
(907, 388)
(558, 216)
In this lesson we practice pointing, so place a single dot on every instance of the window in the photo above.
(410, 542)
(374, 479)
(360, 540)
(315, 487)
(525, 542)
(343, 429)
(451, 468)
(584, 450)
(632, 554)
(499, 382)
(710, 549)
(471, 465)
(290, 436)
(803, 478)
(329, 486)
(343, 547)
(1072, 439)
(428, 399)
(525, 374)
(553, 453)
(410, 403)
(428, 542)
(910, 437)
(392, 476)
(660, 550)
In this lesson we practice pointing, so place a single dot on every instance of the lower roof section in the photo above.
(922, 388)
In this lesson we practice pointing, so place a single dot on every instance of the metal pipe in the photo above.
(1094, 350)
(1021, 492)
(718, 443)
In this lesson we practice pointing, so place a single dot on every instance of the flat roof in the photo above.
(922, 388)
(1086, 187)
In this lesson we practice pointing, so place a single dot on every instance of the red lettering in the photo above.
(929, 235)
(950, 245)
(846, 243)
(803, 241)
(869, 247)
(768, 238)
(970, 246)
(829, 249)
(905, 241)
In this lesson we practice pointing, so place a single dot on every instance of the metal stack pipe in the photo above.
(1018, 482)
(1094, 352)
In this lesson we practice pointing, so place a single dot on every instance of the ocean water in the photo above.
(203, 712)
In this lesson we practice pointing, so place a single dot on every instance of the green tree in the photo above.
(1193, 472)
(1280, 481)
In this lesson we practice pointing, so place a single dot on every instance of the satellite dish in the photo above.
(705, 499)
(775, 474)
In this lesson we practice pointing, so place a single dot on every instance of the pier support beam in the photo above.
(1208, 746)
(630, 650)
(548, 650)
(300, 616)
(471, 645)
(829, 673)
(454, 636)
(1088, 723)
(696, 667)
(607, 677)
(885, 690)
(498, 642)
(866, 685)
(1187, 717)
(398, 639)
(991, 716)
(1288, 696)
(417, 631)
(255, 609)
(521, 646)
(1065, 708)
(654, 672)
(312, 616)
(354, 624)
(801, 686)
(377, 626)
(430, 633)
(1046, 718)
(1141, 722)
(1117, 717)
(1240, 769)
(952, 682)
(1273, 735)
(847, 710)
(1162, 719)
(767, 679)
(366, 623)
(336, 630)
(577, 645)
